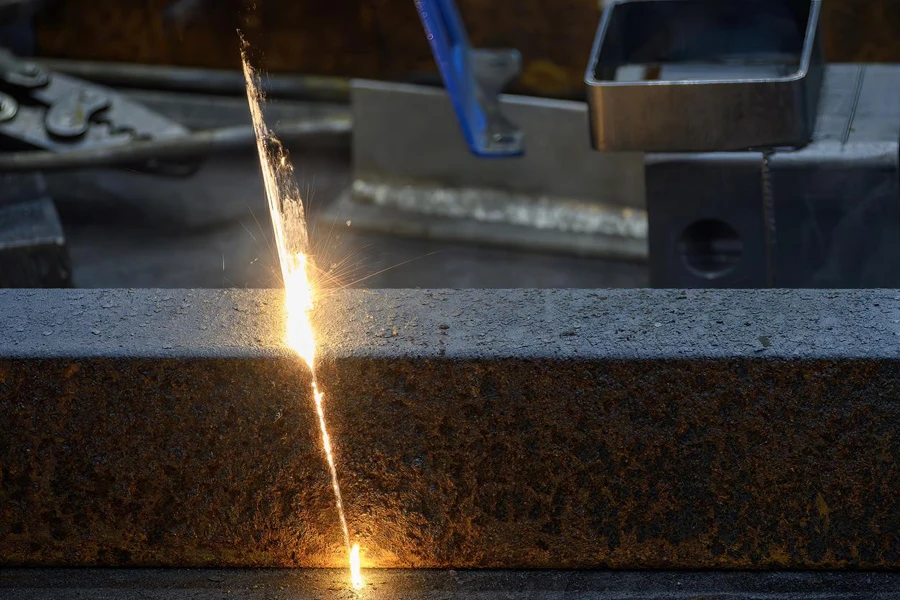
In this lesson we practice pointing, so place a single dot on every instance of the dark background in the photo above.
(383, 39)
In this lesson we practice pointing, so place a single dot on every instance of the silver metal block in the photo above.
(824, 216)
(836, 202)
(707, 229)
(413, 175)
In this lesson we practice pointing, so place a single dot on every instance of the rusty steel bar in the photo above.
(508, 429)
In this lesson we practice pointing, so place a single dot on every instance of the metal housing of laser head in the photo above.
(474, 79)
(704, 75)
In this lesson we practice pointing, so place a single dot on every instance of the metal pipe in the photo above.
(328, 130)
(206, 81)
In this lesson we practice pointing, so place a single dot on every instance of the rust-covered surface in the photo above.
(383, 39)
(173, 462)
(537, 429)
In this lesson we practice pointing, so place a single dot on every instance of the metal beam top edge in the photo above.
(456, 324)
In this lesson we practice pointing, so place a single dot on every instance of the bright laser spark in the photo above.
(292, 241)
(356, 578)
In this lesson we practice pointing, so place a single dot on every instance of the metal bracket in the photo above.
(474, 79)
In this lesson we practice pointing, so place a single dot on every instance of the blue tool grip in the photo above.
(446, 35)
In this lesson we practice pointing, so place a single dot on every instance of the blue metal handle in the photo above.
(474, 79)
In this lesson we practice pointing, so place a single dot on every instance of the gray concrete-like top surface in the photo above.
(571, 324)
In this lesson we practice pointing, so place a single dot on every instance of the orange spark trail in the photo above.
(292, 241)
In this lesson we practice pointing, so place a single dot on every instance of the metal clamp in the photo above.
(59, 113)
(474, 79)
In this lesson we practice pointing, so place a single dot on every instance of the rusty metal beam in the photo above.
(539, 429)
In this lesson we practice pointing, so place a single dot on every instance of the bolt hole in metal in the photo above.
(710, 248)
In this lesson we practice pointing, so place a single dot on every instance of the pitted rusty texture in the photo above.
(160, 461)
(659, 464)
(510, 429)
